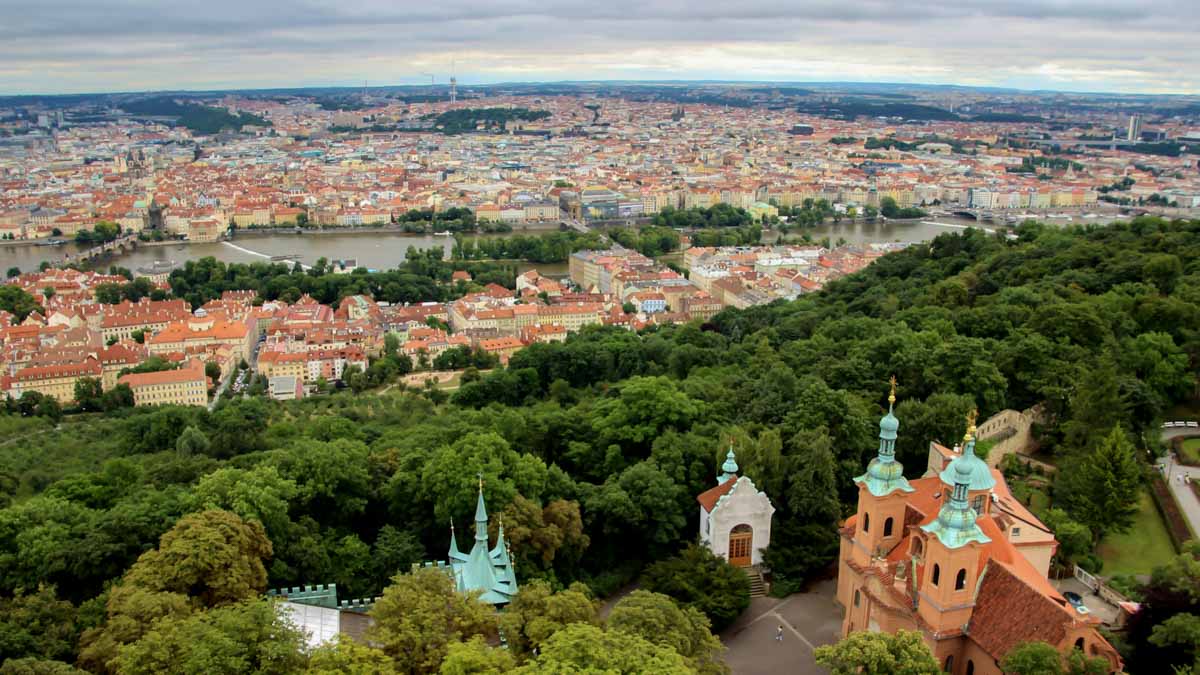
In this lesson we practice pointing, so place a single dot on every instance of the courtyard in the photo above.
(809, 620)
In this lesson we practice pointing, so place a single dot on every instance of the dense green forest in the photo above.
(466, 120)
(593, 450)
(201, 119)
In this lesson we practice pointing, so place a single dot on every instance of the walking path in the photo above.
(1174, 472)
(809, 620)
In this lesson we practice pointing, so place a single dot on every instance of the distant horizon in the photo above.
(1069, 46)
(442, 85)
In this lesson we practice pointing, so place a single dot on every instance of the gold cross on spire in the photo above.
(971, 424)
(892, 395)
(480, 477)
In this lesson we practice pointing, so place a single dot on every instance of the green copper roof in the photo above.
(488, 571)
(884, 474)
(978, 475)
(955, 525)
(729, 469)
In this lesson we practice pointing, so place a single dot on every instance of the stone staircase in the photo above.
(757, 588)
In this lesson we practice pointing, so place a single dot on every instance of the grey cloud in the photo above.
(126, 41)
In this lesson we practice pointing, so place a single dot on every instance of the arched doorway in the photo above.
(741, 543)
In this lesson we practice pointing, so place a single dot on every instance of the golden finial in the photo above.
(892, 395)
(970, 424)
(480, 476)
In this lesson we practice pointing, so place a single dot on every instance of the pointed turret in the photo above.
(955, 525)
(729, 469)
(481, 518)
(454, 552)
(884, 474)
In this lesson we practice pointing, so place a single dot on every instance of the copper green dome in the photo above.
(968, 468)
(884, 474)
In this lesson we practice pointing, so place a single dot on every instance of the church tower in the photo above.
(881, 494)
(953, 541)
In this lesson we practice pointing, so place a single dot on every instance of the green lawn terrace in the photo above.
(1139, 549)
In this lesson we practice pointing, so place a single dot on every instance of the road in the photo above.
(1174, 472)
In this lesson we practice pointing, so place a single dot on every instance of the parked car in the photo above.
(1076, 601)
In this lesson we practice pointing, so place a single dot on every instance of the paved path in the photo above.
(1174, 472)
(809, 620)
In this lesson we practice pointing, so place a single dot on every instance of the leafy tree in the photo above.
(344, 655)
(657, 619)
(37, 625)
(582, 647)
(32, 666)
(212, 371)
(697, 578)
(536, 613)
(1032, 658)
(89, 394)
(14, 272)
(1100, 489)
(394, 551)
(867, 653)
(213, 556)
(1074, 539)
(15, 300)
(192, 442)
(538, 535)
(475, 657)
(248, 637)
(1181, 630)
(259, 494)
(421, 614)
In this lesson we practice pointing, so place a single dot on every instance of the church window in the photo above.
(949, 664)
(887, 527)
(937, 573)
(1016, 531)
(960, 582)
(1079, 644)
(857, 597)
(866, 522)
(970, 667)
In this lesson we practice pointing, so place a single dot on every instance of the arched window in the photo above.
(916, 546)
(857, 597)
(866, 522)
(970, 667)
(949, 664)
(887, 527)
(937, 574)
(960, 581)
(1079, 644)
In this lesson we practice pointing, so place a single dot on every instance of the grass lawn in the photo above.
(1140, 549)
(1190, 450)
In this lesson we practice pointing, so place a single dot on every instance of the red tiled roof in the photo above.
(708, 498)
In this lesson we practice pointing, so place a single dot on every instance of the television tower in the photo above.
(453, 84)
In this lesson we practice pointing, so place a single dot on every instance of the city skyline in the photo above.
(63, 46)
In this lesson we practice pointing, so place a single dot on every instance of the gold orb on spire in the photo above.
(892, 395)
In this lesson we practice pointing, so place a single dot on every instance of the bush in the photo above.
(697, 578)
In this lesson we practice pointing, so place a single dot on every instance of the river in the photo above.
(385, 250)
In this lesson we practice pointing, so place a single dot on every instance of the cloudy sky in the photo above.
(61, 46)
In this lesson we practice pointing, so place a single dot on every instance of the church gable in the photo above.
(742, 496)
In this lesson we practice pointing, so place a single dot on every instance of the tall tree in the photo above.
(421, 614)
(1100, 489)
(584, 648)
(699, 579)
(866, 653)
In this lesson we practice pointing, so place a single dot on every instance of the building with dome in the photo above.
(735, 517)
(955, 557)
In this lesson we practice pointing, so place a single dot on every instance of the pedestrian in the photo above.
(779, 634)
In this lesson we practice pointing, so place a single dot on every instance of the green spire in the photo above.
(955, 525)
(454, 552)
(481, 518)
(884, 474)
(730, 468)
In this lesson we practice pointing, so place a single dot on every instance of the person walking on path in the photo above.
(779, 634)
